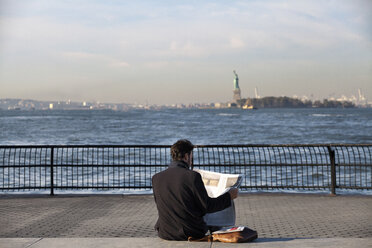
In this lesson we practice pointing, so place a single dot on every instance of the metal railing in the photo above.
(129, 167)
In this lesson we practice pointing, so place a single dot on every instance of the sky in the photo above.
(164, 52)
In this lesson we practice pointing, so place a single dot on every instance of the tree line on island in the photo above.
(288, 102)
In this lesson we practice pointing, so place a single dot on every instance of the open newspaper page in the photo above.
(217, 184)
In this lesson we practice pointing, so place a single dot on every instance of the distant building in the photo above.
(256, 93)
(217, 105)
(232, 105)
(220, 105)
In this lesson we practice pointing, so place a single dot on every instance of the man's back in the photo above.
(182, 201)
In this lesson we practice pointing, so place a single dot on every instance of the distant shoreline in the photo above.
(169, 108)
(246, 104)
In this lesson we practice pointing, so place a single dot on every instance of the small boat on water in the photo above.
(248, 107)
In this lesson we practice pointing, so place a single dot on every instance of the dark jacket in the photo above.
(182, 201)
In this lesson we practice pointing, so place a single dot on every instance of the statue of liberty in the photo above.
(236, 91)
(236, 81)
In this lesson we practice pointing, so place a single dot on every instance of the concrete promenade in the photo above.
(282, 220)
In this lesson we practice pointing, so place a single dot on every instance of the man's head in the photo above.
(182, 150)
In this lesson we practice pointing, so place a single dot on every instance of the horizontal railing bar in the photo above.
(196, 146)
(353, 187)
(85, 165)
(257, 165)
(84, 146)
(166, 165)
(26, 166)
(151, 165)
(82, 187)
(287, 186)
(125, 187)
(354, 164)
(102, 187)
(282, 145)
(243, 186)
(19, 188)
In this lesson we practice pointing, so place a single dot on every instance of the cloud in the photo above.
(236, 42)
(184, 32)
(99, 39)
(156, 64)
(186, 49)
(118, 63)
(81, 55)
(100, 58)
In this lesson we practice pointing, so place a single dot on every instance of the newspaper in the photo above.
(230, 229)
(217, 184)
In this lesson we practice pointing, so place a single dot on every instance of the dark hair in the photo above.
(180, 148)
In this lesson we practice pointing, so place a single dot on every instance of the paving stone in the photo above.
(110, 216)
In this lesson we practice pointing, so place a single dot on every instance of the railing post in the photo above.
(52, 172)
(333, 170)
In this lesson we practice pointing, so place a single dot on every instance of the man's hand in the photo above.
(233, 193)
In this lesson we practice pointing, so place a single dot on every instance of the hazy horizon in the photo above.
(185, 51)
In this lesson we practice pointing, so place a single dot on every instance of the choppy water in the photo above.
(201, 126)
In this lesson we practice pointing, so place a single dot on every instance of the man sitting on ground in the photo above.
(182, 199)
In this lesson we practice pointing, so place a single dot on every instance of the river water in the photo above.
(201, 126)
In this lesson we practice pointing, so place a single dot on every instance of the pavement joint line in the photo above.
(36, 241)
